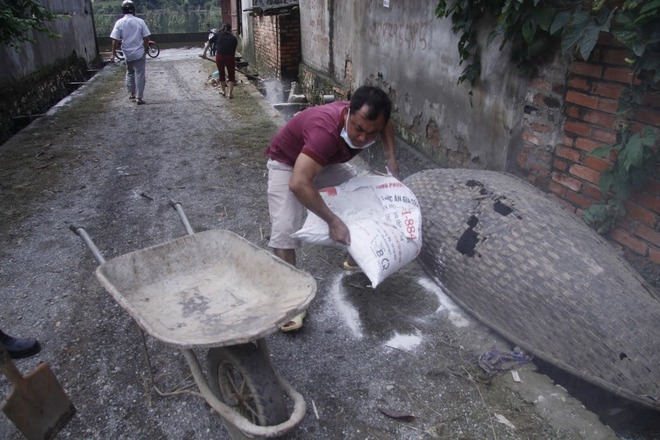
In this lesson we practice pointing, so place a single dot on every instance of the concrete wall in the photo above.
(77, 31)
(246, 37)
(406, 50)
(36, 77)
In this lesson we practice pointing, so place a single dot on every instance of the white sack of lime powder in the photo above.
(384, 220)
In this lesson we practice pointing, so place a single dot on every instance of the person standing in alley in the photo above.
(309, 153)
(132, 33)
(225, 58)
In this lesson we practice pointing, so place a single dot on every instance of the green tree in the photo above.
(19, 18)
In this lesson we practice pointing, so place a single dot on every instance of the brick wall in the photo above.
(585, 100)
(277, 44)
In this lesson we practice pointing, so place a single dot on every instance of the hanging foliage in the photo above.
(19, 18)
(535, 28)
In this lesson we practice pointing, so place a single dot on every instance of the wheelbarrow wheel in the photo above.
(241, 378)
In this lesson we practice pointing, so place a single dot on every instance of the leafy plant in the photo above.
(19, 17)
(637, 158)
(535, 27)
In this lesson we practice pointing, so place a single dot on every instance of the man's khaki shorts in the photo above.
(287, 215)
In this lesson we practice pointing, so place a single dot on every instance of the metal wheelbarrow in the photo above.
(216, 290)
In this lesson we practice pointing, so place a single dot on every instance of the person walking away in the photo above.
(309, 153)
(133, 35)
(225, 58)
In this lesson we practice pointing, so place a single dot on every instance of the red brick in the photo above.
(560, 165)
(608, 106)
(640, 214)
(592, 70)
(537, 168)
(654, 255)
(530, 137)
(587, 144)
(595, 56)
(582, 99)
(607, 137)
(540, 127)
(608, 90)
(578, 200)
(649, 201)
(573, 111)
(558, 89)
(579, 83)
(628, 224)
(567, 140)
(648, 234)
(541, 84)
(596, 163)
(537, 99)
(557, 189)
(578, 128)
(648, 116)
(653, 186)
(616, 56)
(568, 206)
(523, 156)
(592, 191)
(628, 241)
(568, 153)
(650, 100)
(618, 74)
(585, 173)
(566, 181)
(600, 119)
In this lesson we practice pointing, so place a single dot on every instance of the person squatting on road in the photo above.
(309, 153)
(225, 57)
(132, 33)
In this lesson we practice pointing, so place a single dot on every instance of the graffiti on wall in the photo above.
(413, 36)
(316, 35)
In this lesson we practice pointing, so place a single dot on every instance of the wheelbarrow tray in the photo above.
(209, 289)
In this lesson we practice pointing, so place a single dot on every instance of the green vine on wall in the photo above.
(19, 18)
(535, 29)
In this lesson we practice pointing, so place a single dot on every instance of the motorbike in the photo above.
(208, 41)
(153, 50)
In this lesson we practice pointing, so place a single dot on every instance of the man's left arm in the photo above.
(145, 36)
(387, 137)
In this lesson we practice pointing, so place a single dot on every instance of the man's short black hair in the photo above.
(376, 100)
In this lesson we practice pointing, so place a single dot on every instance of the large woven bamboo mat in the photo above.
(536, 274)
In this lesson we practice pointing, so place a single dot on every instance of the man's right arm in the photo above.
(302, 185)
(114, 50)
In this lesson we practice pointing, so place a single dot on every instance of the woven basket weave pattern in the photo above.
(538, 275)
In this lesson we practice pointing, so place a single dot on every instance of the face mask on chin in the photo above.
(344, 136)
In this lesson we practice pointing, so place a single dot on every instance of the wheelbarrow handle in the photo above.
(182, 215)
(88, 241)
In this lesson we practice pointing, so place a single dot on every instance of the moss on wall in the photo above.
(33, 95)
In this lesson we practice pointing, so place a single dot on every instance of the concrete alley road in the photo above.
(105, 164)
